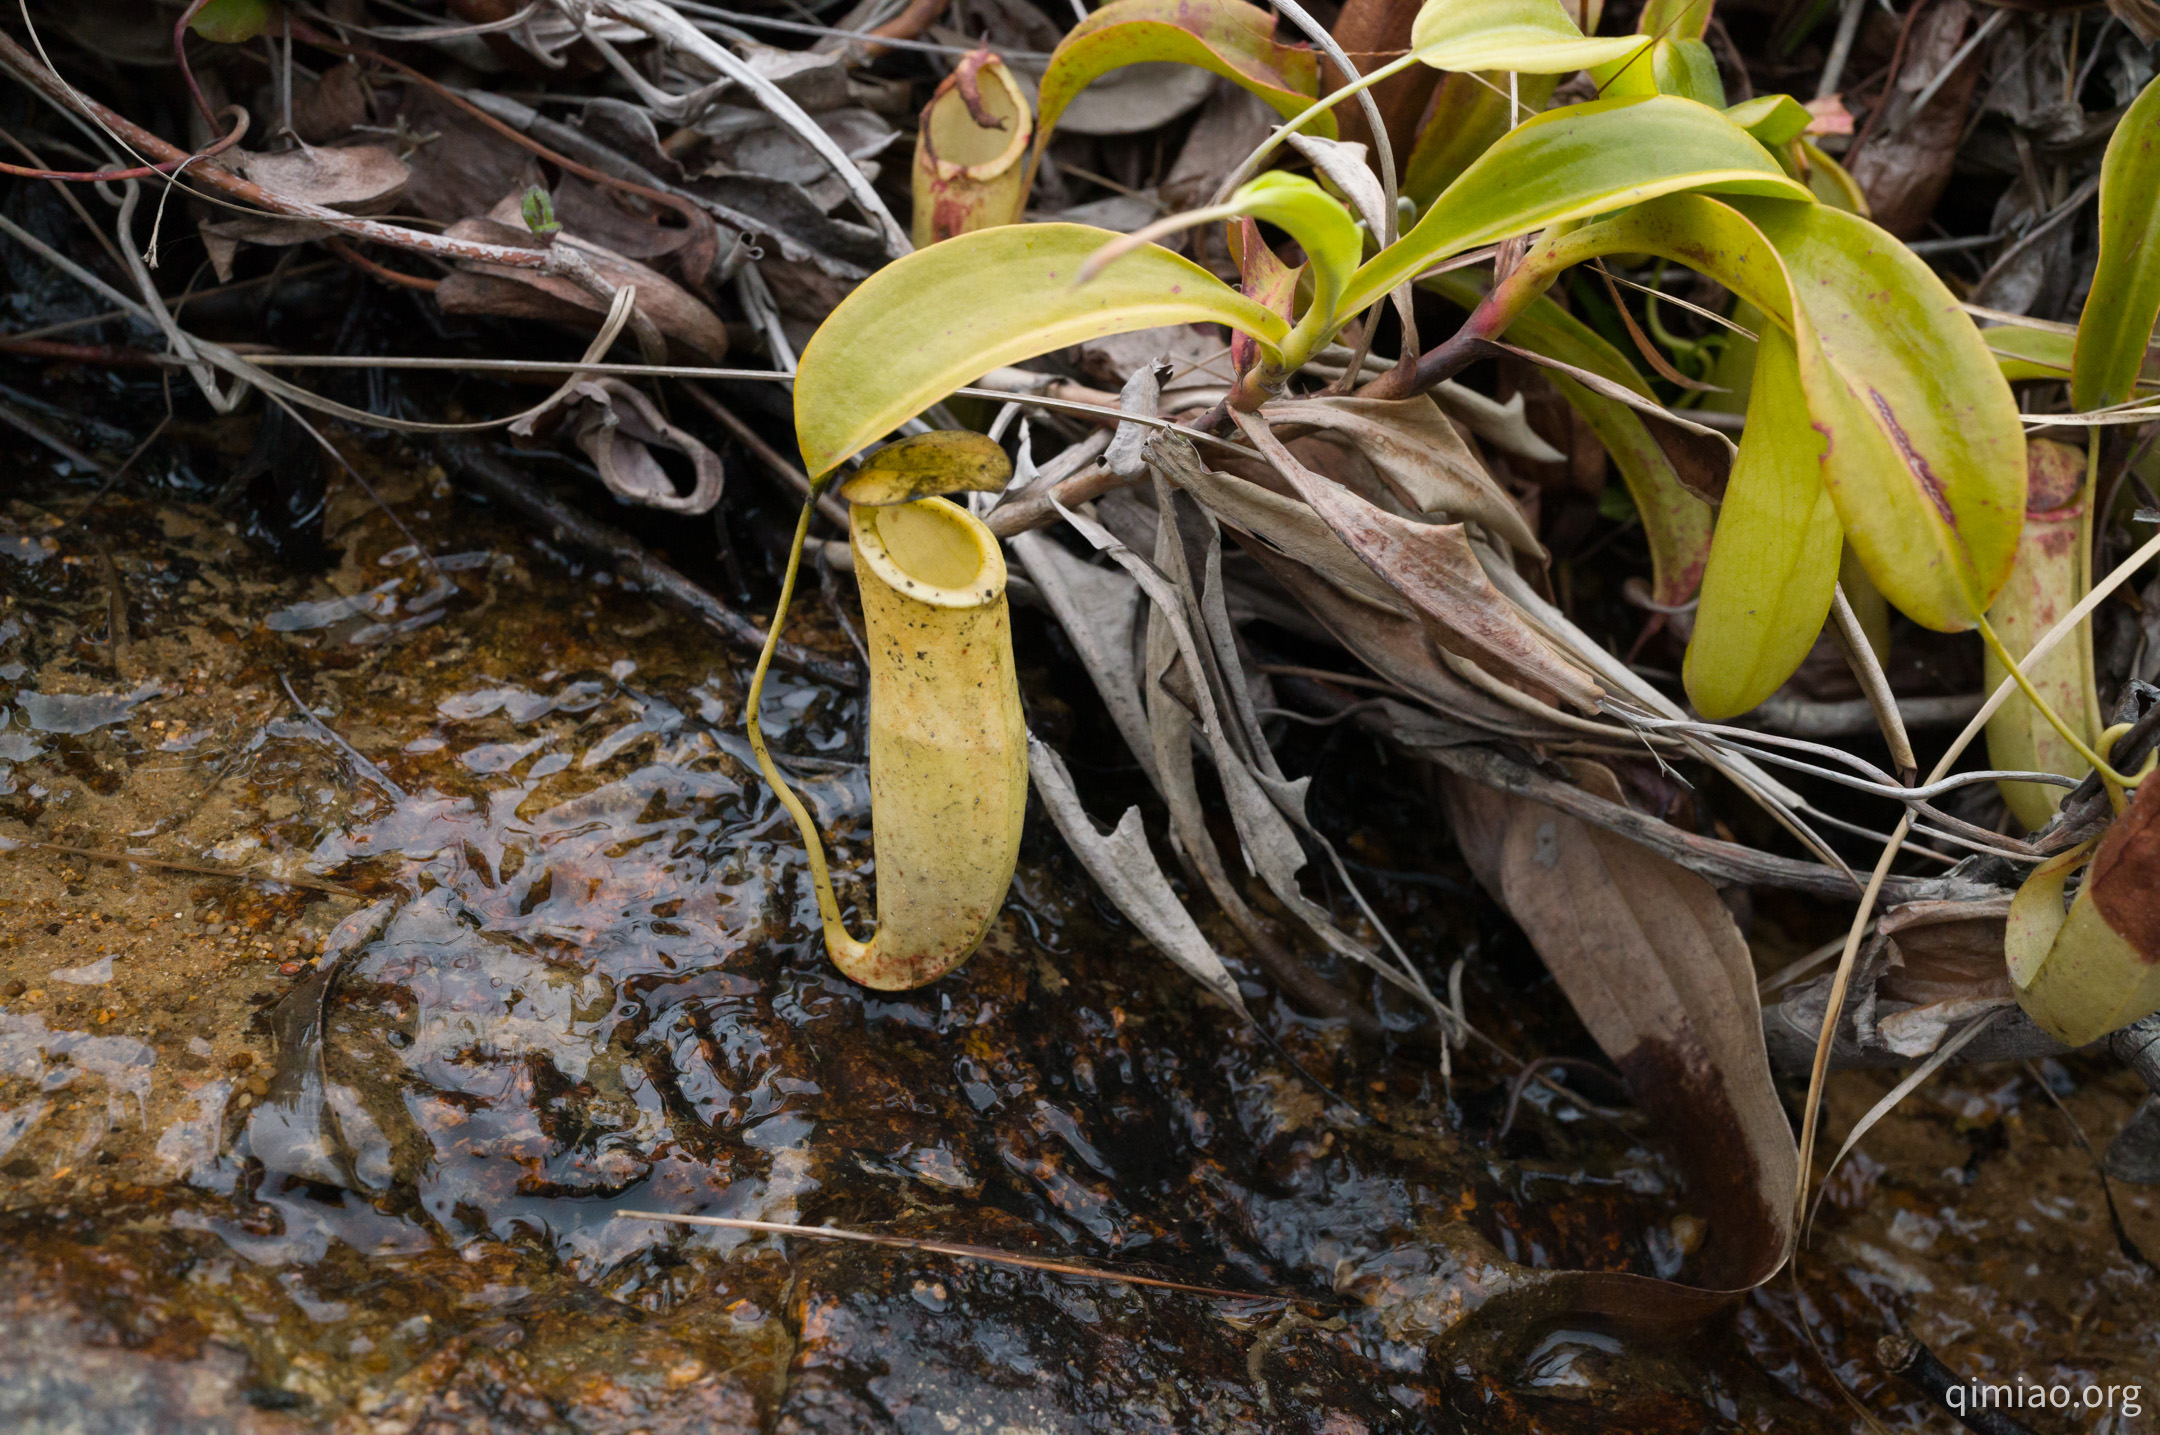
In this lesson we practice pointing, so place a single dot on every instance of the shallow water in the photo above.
(530, 945)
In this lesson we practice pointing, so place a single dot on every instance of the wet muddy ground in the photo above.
(527, 944)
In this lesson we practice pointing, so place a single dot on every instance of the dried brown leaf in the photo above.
(1657, 970)
(1417, 452)
(527, 294)
(1431, 565)
(355, 179)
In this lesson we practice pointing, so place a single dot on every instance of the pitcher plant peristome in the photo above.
(948, 748)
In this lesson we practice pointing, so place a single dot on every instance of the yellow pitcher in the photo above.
(948, 747)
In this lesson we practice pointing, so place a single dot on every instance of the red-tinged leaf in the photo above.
(1226, 37)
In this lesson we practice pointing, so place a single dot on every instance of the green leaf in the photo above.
(1469, 112)
(2117, 324)
(1676, 67)
(1320, 224)
(1572, 163)
(231, 22)
(538, 212)
(934, 321)
(1676, 521)
(2024, 354)
(1772, 119)
(1774, 560)
(1530, 37)
(1331, 239)
(1831, 182)
(1926, 455)
(1225, 37)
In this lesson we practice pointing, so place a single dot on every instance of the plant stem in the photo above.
(820, 876)
(2032, 695)
(2081, 580)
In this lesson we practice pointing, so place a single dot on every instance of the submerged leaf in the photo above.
(1652, 961)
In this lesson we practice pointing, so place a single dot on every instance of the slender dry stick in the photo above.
(1860, 655)
(988, 1254)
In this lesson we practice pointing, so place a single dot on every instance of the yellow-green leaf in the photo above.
(929, 323)
(1831, 182)
(1673, 67)
(1572, 163)
(1469, 112)
(1772, 119)
(1774, 559)
(2117, 324)
(1225, 37)
(1926, 455)
(1323, 228)
(231, 22)
(1530, 37)
(2024, 353)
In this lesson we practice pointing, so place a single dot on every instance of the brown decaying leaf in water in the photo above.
(1653, 962)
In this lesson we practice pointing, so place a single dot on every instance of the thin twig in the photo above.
(313, 884)
(989, 1254)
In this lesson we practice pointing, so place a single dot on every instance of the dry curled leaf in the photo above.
(1124, 866)
(1432, 566)
(1419, 455)
(619, 427)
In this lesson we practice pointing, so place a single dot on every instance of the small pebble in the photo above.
(291, 969)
